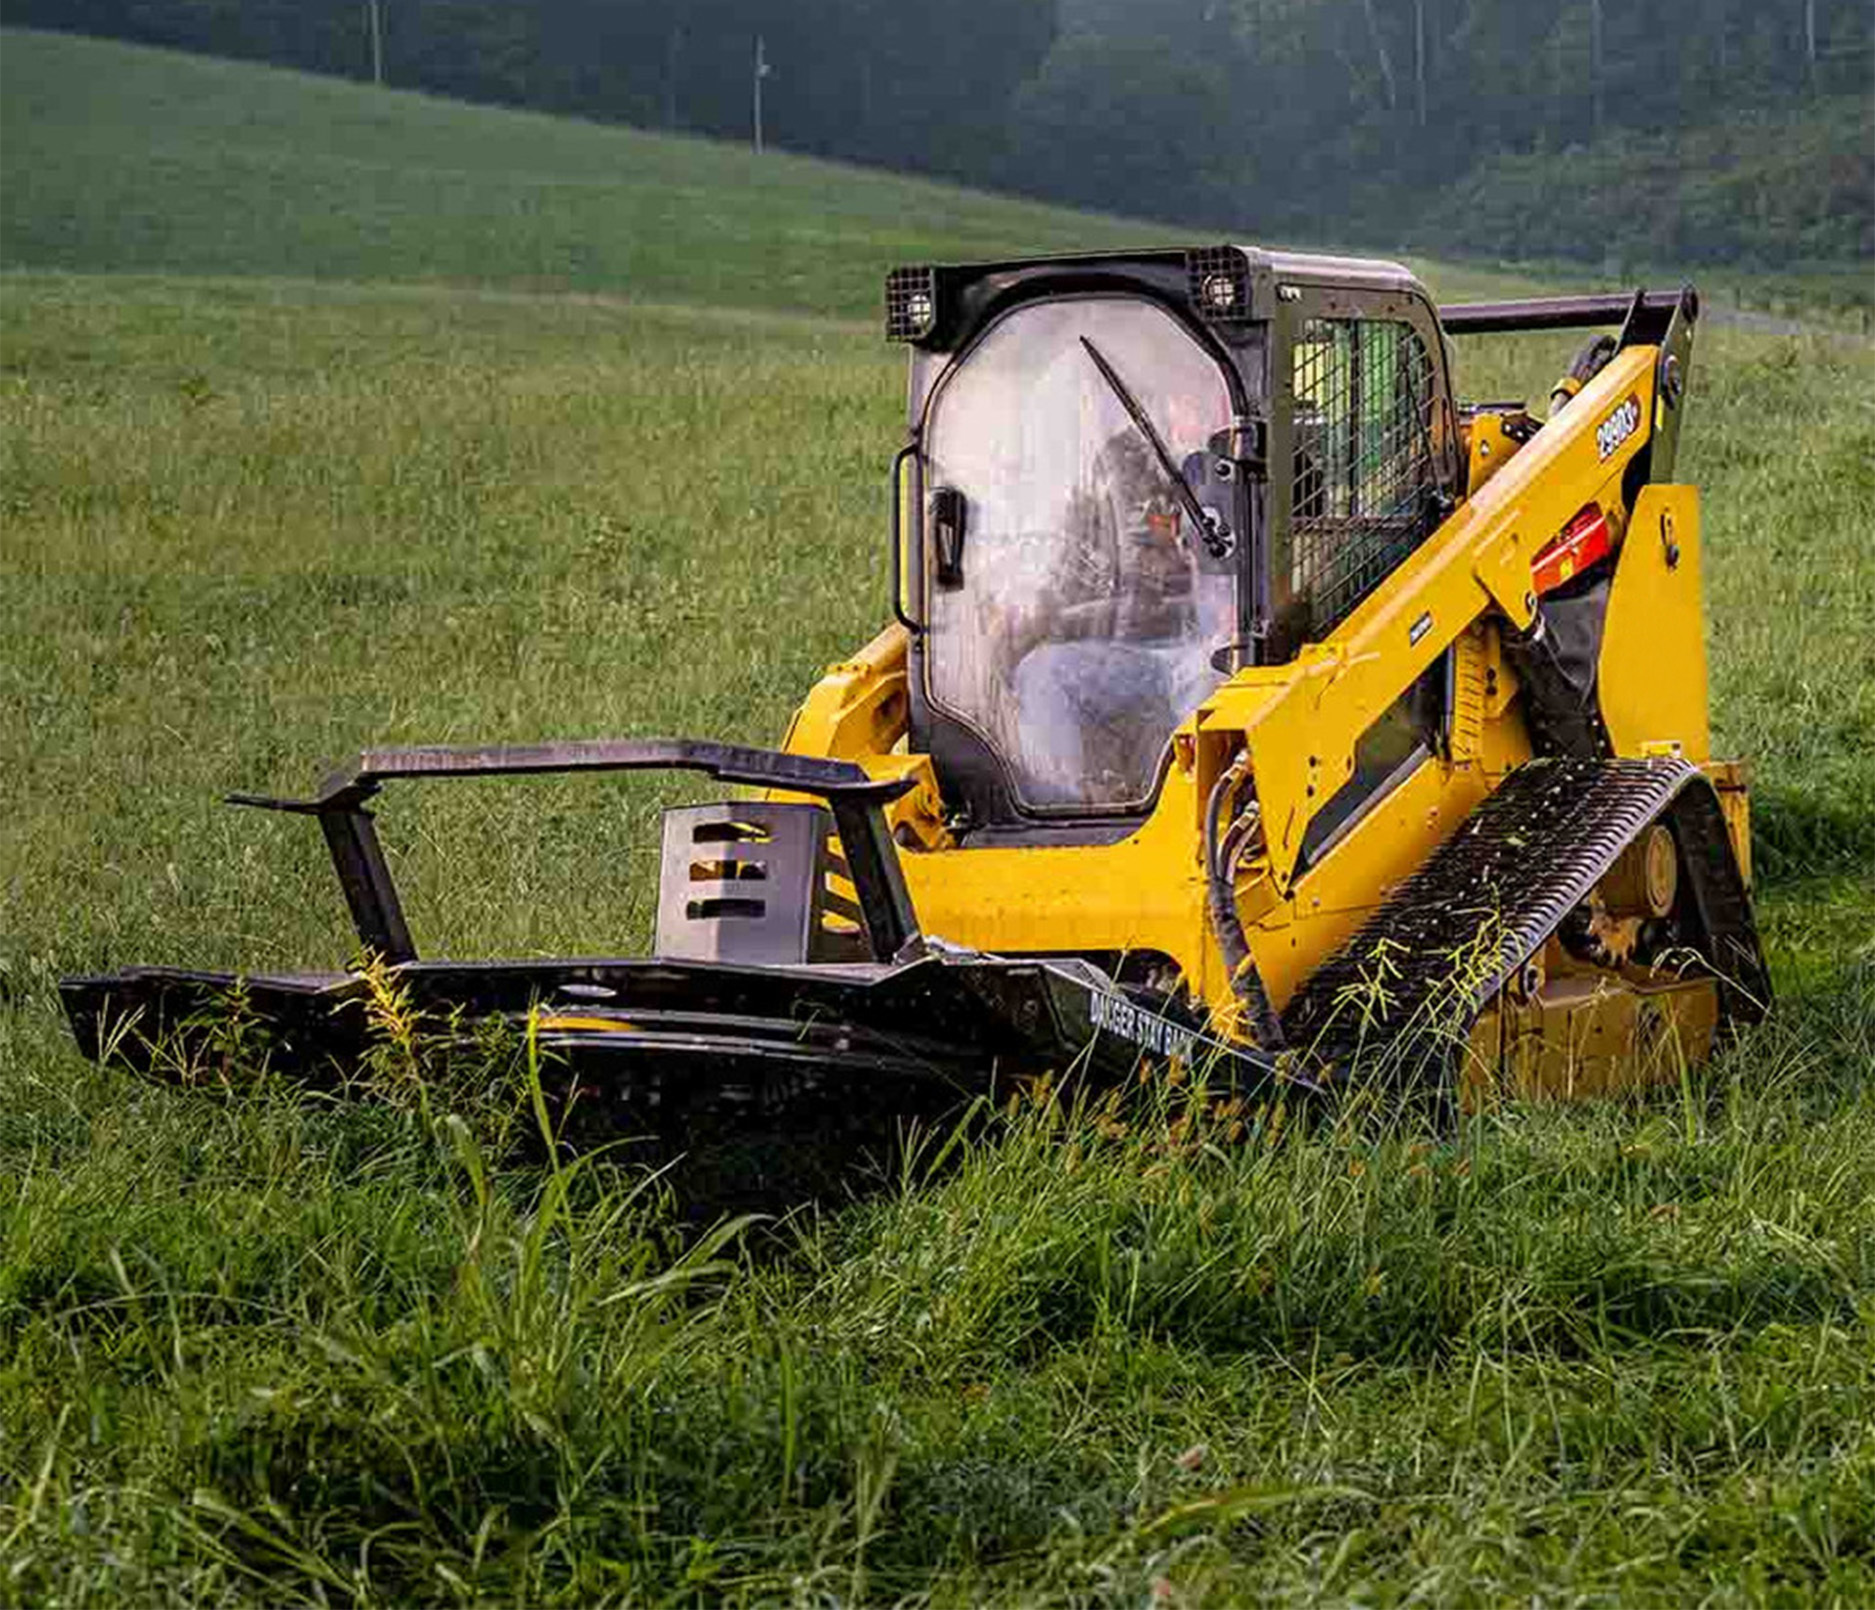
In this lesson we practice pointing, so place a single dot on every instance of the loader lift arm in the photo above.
(855, 799)
(1478, 562)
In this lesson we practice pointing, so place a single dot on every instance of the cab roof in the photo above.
(941, 306)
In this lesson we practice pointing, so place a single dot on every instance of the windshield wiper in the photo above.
(1206, 522)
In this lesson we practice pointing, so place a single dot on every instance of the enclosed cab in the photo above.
(1129, 477)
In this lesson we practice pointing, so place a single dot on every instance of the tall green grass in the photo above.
(263, 1349)
(274, 1353)
(268, 1350)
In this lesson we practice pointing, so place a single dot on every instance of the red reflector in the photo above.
(1584, 539)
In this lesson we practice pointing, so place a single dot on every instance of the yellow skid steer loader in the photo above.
(1248, 701)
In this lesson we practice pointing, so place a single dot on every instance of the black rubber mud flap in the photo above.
(1401, 997)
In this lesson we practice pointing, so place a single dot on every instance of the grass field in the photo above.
(391, 478)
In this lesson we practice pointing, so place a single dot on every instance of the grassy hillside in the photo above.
(123, 158)
(143, 159)
(261, 1349)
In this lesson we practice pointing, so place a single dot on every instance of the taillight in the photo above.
(1584, 539)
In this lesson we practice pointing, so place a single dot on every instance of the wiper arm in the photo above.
(1205, 521)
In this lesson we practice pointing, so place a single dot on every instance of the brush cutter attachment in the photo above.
(775, 1002)
(853, 797)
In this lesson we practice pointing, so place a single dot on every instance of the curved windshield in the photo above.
(1077, 626)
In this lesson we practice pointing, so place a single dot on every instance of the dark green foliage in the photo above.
(1788, 188)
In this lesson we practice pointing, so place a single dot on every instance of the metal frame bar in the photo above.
(370, 892)
(1567, 312)
(856, 800)
(908, 535)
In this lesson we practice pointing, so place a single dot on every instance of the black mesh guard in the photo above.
(910, 304)
(1365, 479)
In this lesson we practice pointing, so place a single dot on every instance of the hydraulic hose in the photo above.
(1221, 907)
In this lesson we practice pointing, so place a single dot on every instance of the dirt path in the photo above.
(1775, 323)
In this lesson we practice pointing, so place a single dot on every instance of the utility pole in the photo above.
(1595, 65)
(1419, 56)
(375, 17)
(761, 72)
(1809, 41)
(673, 49)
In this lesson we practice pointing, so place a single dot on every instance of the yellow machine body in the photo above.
(1467, 588)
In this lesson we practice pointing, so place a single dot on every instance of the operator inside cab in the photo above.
(1085, 625)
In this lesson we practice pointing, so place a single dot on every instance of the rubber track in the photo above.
(1450, 936)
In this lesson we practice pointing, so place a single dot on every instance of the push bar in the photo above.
(856, 800)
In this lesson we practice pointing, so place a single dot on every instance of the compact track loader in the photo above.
(1250, 703)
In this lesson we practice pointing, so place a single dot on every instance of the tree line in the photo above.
(1306, 117)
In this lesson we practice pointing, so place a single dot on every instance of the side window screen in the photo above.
(1409, 730)
(1364, 469)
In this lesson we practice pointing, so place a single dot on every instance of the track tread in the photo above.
(1451, 935)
